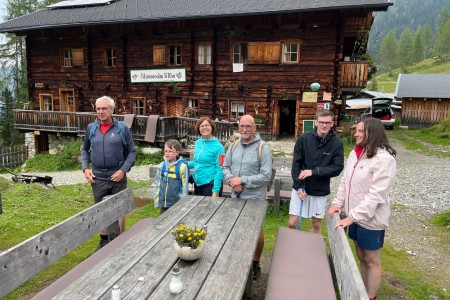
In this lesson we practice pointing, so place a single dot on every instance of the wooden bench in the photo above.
(23, 261)
(299, 267)
(347, 273)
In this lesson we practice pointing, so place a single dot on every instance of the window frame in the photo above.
(174, 55)
(138, 109)
(242, 54)
(72, 57)
(42, 104)
(284, 53)
(110, 57)
(204, 53)
(233, 113)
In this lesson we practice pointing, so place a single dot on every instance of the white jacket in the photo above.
(364, 189)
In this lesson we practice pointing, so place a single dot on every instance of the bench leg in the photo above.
(276, 196)
(113, 230)
(249, 286)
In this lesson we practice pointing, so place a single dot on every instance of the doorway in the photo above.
(287, 117)
(174, 106)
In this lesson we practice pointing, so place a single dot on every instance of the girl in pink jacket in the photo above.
(364, 195)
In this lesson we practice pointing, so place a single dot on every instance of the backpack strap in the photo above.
(177, 172)
(94, 127)
(121, 125)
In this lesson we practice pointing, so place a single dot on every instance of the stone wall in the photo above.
(30, 142)
(57, 143)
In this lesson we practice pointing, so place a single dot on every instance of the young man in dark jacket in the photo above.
(318, 156)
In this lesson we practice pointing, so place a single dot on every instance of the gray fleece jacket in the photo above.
(243, 162)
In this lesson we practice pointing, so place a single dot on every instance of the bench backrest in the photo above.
(347, 273)
(21, 262)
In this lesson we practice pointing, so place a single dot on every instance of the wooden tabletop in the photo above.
(141, 268)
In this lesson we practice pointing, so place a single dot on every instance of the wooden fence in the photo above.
(13, 156)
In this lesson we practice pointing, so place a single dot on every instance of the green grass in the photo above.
(387, 82)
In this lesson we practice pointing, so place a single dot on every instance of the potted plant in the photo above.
(189, 241)
(360, 45)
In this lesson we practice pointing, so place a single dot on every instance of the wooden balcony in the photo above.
(76, 123)
(354, 74)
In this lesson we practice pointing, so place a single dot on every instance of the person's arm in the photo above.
(156, 186)
(297, 162)
(383, 176)
(218, 178)
(131, 149)
(85, 155)
(265, 171)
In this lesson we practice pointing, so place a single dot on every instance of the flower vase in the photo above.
(187, 253)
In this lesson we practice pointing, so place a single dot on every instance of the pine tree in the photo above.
(406, 48)
(389, 52)
(9, 135)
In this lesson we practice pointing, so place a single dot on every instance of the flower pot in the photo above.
(187, 253)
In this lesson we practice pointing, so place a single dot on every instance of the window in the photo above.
(290, 53)
(166, 55)
(204, 54)
(110, 57)
(264, 53)
(237, 110)
(67, 100)
(191, 110)
(138, 105)
(45, 102)
(240, 55)
(174, 55)
(72, 57)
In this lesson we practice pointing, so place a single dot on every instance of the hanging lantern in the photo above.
(315, 86)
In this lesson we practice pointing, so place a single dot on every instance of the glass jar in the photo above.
(176, 285)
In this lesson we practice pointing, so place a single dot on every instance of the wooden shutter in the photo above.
(264, 52)
(78, 57)
(159, 54)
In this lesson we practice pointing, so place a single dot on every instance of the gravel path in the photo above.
(422, 190)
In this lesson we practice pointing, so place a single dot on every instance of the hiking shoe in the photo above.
(102, 244)
(256, 270)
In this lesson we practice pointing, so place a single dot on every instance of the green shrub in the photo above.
(68, 158)
(148, 159)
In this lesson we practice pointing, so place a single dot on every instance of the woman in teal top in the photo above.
(207, 170)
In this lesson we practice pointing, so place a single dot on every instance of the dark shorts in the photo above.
(102, 188)
(366, 238)
(205, 189)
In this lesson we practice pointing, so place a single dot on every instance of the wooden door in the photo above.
(174, 106)
(67, 100)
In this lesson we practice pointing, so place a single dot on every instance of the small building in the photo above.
(192, 58)
(425, 99)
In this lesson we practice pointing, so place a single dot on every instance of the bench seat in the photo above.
(90, 262)
(300, 268)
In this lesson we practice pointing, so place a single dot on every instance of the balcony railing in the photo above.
(76, 123)
(354, 74)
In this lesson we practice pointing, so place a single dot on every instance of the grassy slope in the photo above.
(430, 66)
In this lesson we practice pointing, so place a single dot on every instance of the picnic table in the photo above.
(141, 267)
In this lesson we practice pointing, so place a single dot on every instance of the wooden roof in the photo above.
(131, 11)
(423, 86)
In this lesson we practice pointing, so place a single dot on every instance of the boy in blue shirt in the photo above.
(171, 178)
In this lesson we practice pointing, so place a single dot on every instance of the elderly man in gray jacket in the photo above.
(247, 170)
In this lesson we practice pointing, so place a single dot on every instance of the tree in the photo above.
(417, 54)
(443, 38)
(8, 134)
(406, 48)
(388, 52)
(427, 37)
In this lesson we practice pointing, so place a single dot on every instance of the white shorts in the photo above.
(313, 206)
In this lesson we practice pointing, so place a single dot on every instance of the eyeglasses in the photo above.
(245, 126)
(325, 123)
(205, 125)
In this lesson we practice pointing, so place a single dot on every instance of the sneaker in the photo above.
(256, 270)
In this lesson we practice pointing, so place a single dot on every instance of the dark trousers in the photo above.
(205, 189)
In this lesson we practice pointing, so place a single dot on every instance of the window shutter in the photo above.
(264, 52)
(159, 54)
(78, 57)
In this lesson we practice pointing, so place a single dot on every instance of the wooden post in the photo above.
(276, 196)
